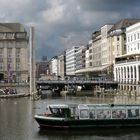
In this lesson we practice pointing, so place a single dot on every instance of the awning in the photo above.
(95, 69)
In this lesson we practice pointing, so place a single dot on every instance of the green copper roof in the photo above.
(11, 27)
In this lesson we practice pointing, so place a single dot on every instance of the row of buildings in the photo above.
(113, 52)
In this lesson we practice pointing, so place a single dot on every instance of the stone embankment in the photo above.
(14, 95)
(21, 90)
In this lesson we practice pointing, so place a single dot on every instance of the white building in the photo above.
(61, 66)
(71, 60)
(127, 67)
(54, 63)
(87, 58)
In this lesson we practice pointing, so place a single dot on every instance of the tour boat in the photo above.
(72, 116)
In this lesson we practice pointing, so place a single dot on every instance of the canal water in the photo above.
(17, 122)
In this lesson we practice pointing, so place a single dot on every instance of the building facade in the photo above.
(104, 45)
(80, 58)
(54, 66)
(13, 53)
(42, 68)
(71, 60)
(87, 57)
(127, 67)
(61, 66)
(117, 38)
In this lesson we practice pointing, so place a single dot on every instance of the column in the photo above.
(129, 74)
(137, 73)
(126, 79)
(119, 75)
(123, 76)
(133, 74)
(115, 74)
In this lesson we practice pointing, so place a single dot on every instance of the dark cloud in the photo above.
(59, 24)
(108, 5)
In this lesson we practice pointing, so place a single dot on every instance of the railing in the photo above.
(126, 61)
(76, 82)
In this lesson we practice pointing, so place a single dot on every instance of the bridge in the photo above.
(86, 83)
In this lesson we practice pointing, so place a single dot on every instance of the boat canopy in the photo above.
(108, 111)
(59, 106)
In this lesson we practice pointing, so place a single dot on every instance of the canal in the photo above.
(17, 123)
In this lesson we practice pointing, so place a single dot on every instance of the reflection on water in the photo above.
(123, 134)
(17, 123)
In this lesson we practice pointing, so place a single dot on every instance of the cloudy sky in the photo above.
(59, 24)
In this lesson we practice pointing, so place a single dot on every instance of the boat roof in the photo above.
(62, 105)
(87, 106)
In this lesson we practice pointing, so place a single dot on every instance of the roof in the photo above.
(128, 55)
(59, 106)
(122, 24)
(92, 69)
(62, 105)
(11, 27)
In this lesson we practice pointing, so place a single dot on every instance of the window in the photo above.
(9, 35)
(84, 114)
(138, 35)
(90, 51)
(133, 113)
(128, 38)
(131, 38)
(9, 66)
(1, 59)
(17, 52)
(90, 64)
(18, 66)
(118, 114)
(117, 47)
(128, 48)
(92, 114)
(1, 53)
(17, 59)
(103, 114)
(9, 52)
(124, 47)
(90, 57)
(1, 66)
(124, 38)
(134, 36)
(9, 60)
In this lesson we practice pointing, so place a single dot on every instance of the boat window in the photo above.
(65, 112)
(55, 110)
(133, 113)
(103, 114)
(73, 112)
(84, 114)
(92, 114)
(118, 113)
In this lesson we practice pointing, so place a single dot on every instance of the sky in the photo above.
(60, 24)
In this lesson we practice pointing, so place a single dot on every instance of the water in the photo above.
(17, 123)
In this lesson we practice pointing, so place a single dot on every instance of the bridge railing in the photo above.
(76, 82)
